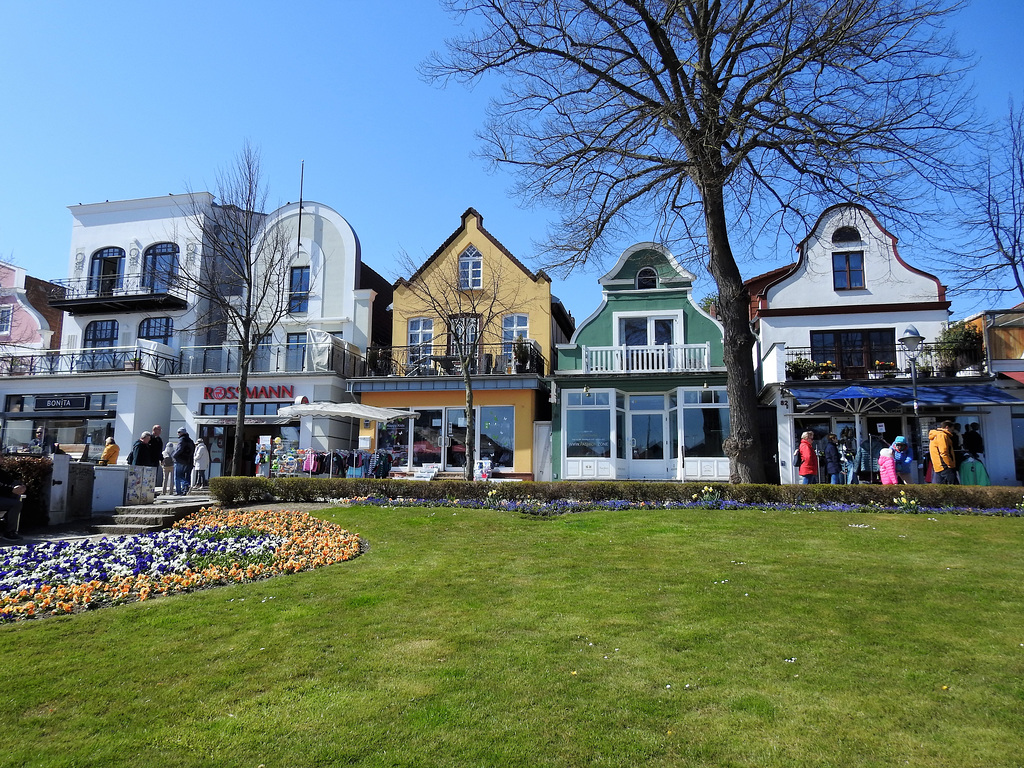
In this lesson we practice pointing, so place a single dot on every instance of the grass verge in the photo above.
(475, 637)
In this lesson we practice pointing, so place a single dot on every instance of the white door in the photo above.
(542, 451)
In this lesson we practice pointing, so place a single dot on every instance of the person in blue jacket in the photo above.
(904, 459)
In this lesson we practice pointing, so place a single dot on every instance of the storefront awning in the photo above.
(867, 398)
(229, 421)
(346, 410)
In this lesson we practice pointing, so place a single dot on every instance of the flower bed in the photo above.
(209, 548)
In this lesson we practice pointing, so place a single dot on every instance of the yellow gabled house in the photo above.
(473, 332)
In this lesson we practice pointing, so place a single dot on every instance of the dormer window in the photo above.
(846, 235)
(471, 269)
(647, 278)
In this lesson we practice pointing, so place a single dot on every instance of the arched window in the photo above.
(846, 235)
(647, 278)
(160, 267)
(99, 334)
(159, 329)
(106, 270)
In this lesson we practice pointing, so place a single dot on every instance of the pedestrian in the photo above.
(833, 462)
(168, 467)
(201, 462)
(903, 459)
(111, 451)
(156, 445)
(183, 456)
(974, 445)
(807, 459)
(848, 454)
(11, 491)
(940, 450)
(887, 467)
(139, 456)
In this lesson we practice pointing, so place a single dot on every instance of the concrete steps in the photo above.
(143, 518)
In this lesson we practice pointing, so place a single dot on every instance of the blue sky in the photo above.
(113, 100)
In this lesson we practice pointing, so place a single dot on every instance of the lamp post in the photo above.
(912, 341)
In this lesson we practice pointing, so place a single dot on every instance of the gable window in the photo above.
(471, 269)
(160, 267)
(5, 320)
(846, 235)
(298, 290)
(160, 329)
(647, 278)
(854, 349)
(646, 331)
(848, 270)
(106, 270)
(421, 341)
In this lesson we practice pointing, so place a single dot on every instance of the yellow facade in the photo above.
(436, 292)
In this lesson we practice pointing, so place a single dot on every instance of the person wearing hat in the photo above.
(201, 462)
(184, 454)
(904, 460)
(156, 450)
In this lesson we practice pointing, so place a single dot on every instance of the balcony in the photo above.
(658, 358)
(120, 293)
(428, 360)
(329, 355)
(935, 359)
(82, 361)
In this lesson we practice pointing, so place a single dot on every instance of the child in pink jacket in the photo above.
(887, 466)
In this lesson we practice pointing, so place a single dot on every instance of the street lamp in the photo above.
(912, 341)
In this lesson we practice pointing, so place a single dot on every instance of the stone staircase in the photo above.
(143, 518)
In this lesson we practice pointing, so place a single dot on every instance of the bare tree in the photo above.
(712, 115)
(993, 260)
(471, 314)
(240, 284)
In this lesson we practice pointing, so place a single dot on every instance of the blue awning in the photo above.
(865, 397)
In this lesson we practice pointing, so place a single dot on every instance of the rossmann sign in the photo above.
(281, 392)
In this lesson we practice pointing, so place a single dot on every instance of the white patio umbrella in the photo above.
(345, 410)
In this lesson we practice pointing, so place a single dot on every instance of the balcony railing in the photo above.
(131, 292)
(429, 360)
(335, 357)
(657, 358)
(851, 363)
(94, 360)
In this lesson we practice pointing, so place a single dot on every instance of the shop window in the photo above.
(160, 267)
(159, 329)
(106, 269)
(498, 434)
(588, 433)
(298, 290)
(705, 431)
(471, 269)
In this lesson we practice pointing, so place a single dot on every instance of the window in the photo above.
(645, 331)
(5, 320)
(159, 329)
(295, 352)
(647, 278)
(846, 235)
(848, 270)
(421, 341)
(498, 434)
(99, 334)
(106, 270)
(160, 267)
(298, 291)
(513, 327)
(471, 269)
(854, 348)
(464, 336)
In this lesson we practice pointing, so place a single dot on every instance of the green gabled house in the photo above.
(640, 387)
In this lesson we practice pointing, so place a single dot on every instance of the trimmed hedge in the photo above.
(232, 490)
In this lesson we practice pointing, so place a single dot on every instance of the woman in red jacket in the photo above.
(807, 459)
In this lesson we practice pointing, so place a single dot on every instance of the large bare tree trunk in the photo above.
(743, 447)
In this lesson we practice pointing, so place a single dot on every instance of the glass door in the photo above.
(456, 430)
(647, 450)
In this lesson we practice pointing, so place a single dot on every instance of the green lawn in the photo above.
(480, 638)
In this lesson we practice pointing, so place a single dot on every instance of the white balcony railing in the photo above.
(659, 358)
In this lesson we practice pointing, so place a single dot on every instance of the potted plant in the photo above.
(827, 369)
(800, 367)
(521, 353)
(960, 346)
(132, 363)
(885, 369)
